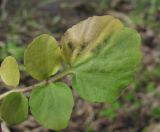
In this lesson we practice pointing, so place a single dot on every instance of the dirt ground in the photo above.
(138, 109)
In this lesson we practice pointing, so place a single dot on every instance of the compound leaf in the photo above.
(14, 108)
(104, 56)
(52, 105)
(9, 71)
(42, 57)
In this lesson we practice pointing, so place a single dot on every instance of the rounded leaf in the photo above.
(104, 56)
(103, 77)
(9, 71)
(42, 57)
(14, 108)
(52, 105)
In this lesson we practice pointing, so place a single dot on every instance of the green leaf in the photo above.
(9, 71)
(14, 108)
(104, 57)
(42, 57)
(52, 105)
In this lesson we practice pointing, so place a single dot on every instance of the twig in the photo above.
(29, 88)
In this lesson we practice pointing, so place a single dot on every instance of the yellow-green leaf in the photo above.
(103, 55)
(9, 71)
(14, 108)
(42, 57)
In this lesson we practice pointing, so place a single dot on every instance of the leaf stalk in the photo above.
(29, 88)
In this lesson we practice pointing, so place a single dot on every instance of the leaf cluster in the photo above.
(100, 53)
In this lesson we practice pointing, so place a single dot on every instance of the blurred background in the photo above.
(138, 109)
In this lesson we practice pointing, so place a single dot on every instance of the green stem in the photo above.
(29, 88)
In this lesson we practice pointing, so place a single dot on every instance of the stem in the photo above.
(29, 88)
